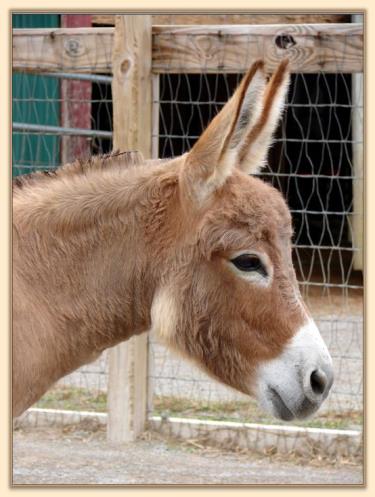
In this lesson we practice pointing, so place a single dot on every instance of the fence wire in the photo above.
(316, 163)
(57, 118)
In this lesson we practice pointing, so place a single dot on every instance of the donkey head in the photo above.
(229, 299)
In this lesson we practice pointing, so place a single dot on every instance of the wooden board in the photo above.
(223, 18)
(357, 231)
(357, 219)
(310, 48)
(132, 128)
(196, 49)
(86, 50)
(132, 84)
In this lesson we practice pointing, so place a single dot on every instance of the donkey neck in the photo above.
(87, 239)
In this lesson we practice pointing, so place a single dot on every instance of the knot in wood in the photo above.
(285, 41)
(125, 66)
(74, 47)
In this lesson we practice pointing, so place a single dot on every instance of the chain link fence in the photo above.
(315, 161)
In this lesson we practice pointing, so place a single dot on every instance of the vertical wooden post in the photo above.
(155, 115)
(155, 155)
(131, 93)
(357, 137)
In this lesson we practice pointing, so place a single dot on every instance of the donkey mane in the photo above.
(82, 167)
(91, 191)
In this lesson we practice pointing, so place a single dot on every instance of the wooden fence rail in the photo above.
(310, 47)
(196, 49)
(82, 50)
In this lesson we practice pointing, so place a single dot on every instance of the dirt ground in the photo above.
(77, 456)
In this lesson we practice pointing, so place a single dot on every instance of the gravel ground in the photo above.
(77, 456)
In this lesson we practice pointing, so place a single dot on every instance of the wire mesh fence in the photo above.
(311, 162)
(59, 117)
(315, 162)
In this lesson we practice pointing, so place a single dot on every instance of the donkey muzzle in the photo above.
(295, 384)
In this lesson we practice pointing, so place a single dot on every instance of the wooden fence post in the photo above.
(131, 94)
(358, 159)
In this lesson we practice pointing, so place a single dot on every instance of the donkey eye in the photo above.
(249, 263)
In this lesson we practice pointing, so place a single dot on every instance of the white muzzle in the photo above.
(295, 384)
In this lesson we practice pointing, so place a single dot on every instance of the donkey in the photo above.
(193, 248)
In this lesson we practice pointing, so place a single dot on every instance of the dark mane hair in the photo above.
(80, 166)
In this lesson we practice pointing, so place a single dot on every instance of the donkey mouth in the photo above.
(281, 409)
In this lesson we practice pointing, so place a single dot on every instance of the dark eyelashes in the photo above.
(249, 263)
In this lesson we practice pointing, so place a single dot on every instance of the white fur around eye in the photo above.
(253, 276)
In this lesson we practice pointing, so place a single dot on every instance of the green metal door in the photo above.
(36, 100)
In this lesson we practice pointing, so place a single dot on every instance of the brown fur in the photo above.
(258, 65)
(274, 87)
(93, 245)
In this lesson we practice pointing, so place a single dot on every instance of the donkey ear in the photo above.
(252, 150)
(213, 157)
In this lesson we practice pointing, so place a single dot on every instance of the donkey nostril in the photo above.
(318, 381)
